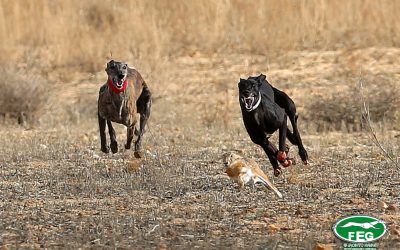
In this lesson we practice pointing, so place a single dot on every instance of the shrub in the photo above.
(23, 96)
(342, 110)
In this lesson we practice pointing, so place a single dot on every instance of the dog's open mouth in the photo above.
(248, 102)
(119, 83)
(251, 102)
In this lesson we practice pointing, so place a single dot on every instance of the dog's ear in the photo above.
(241, 80)
(109, 63)
(261, 78)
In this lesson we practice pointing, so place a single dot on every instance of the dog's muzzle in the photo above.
(118, 82)
(249, 102)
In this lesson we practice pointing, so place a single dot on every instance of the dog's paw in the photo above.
(287, 163)
(137, 154)
(303, 155)
(114, 147)
(277, 171)
(105, 149)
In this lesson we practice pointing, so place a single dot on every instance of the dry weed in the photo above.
(81, 34)
(342, 110)
(24, 95)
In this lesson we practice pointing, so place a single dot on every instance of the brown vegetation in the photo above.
(24, 95)
(57, 190)
(81, 34)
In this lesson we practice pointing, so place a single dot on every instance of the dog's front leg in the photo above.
(113, 138)
(129, 136)
(281, 156)
(272, 152)
(103, 139)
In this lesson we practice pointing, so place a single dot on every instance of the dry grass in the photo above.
(80, 34)
(59, 191)
(342, 110)
(24, 95)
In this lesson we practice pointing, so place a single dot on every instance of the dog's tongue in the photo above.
(249, 102)
(119, 83)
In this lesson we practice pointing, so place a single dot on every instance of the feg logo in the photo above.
(359, 229)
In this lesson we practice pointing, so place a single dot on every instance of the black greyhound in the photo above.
(265, 110)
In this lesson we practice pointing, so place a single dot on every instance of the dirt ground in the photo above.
(57, 190)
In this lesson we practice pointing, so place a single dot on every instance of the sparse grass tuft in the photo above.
(24, 95)
(341, 110)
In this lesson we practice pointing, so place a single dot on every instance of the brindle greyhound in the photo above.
(120, 99)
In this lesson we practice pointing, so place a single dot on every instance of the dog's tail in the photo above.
(269, 185)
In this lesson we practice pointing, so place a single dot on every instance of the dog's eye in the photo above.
(112, 67)
(124, 67)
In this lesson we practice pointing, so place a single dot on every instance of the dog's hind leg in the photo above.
(143, 105)
(296, 139)
(103, 139)
(291, 137)
(129, 136)
(285, 102)
(113, 138)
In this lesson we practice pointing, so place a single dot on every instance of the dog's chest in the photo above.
(258, 122)
(267, 118)
(115, 108)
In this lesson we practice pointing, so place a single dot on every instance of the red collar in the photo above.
(115, 89)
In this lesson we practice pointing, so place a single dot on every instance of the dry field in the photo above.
(57, 190)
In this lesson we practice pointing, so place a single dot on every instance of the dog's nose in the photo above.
(120, 76)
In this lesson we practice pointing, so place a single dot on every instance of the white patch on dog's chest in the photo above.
(121, 107)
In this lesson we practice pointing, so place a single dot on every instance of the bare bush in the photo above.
(366, 118)
(23, 96)
(341, 110)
